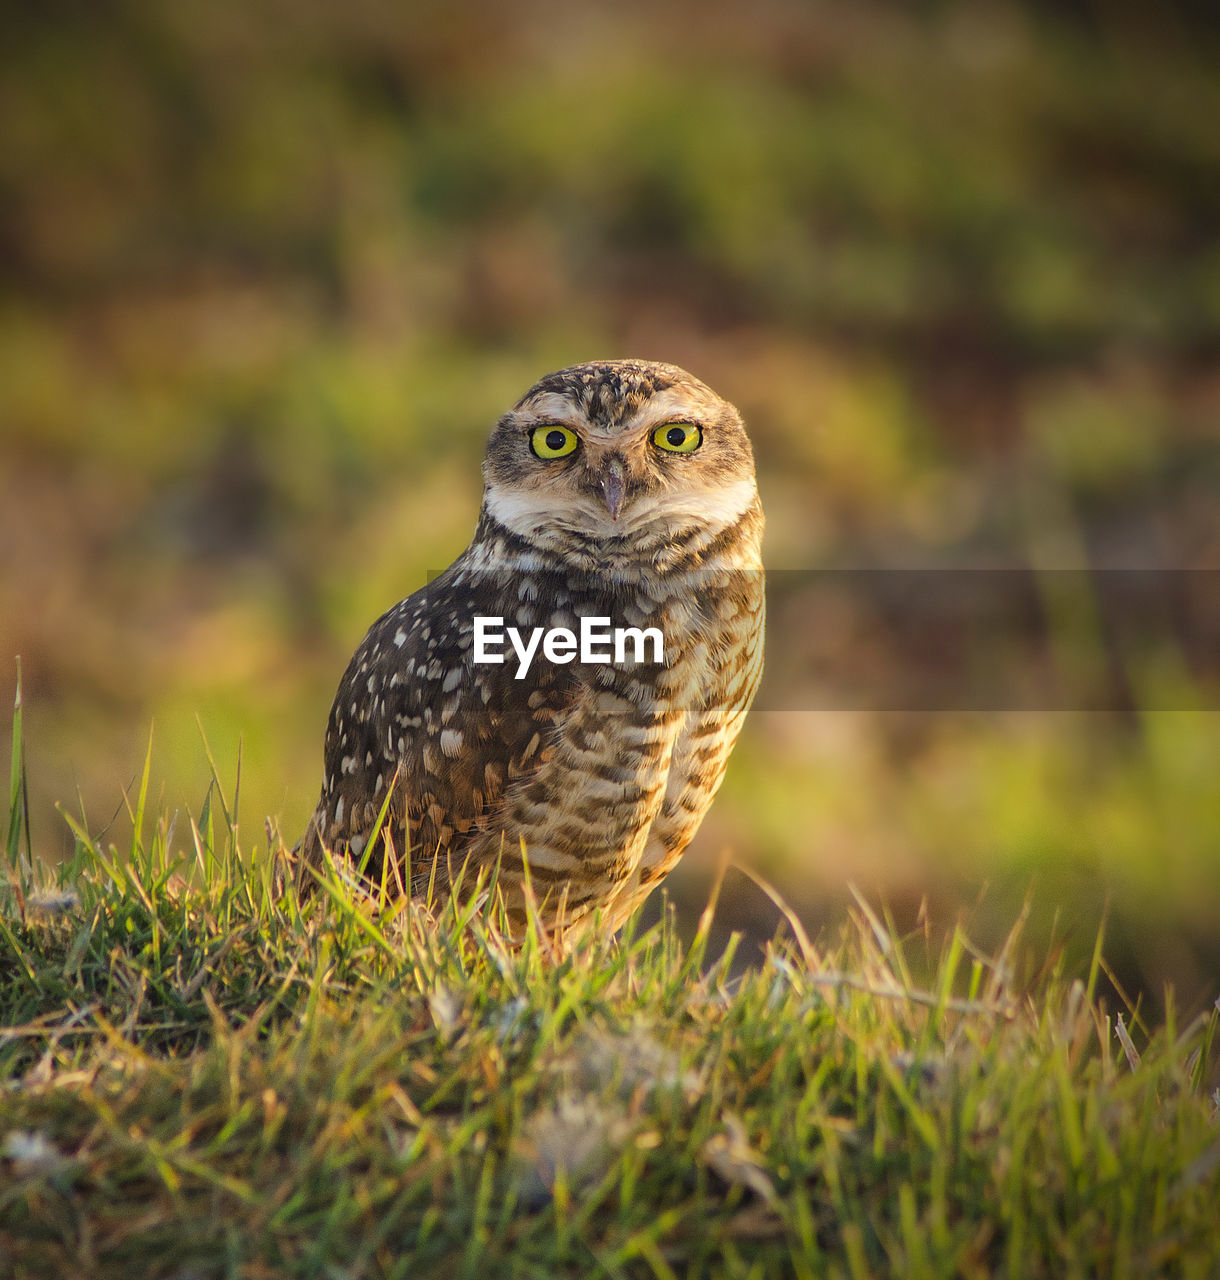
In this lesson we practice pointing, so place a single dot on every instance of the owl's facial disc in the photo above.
(621, 455)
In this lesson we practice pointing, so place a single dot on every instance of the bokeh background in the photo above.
(271, 271)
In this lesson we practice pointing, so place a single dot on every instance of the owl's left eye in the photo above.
(552, 442)
(678, 437)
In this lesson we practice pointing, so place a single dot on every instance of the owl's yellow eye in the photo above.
(678, 437)
(552, 442)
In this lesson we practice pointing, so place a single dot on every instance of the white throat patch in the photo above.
(526, 513)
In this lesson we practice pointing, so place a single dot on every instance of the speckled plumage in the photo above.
(603, 772)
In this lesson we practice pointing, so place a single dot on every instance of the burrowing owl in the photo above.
(621, 491)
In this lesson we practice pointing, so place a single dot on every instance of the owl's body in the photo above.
(601, 771)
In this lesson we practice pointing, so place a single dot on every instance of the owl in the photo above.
(475, 722)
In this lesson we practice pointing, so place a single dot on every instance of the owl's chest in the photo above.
(597, 747)
(666, 668)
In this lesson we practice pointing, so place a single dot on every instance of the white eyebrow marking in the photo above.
(553, 406)
(674, 404)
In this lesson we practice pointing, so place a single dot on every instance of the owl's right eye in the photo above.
(552, 442)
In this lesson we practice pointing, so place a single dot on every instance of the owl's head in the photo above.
(616, 453)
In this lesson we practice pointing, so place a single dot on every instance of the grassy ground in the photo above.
(202, 1078)
(268, 279)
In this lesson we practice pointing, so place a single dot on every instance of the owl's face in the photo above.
(618, 450)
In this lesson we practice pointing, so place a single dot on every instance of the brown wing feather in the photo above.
(414, 715)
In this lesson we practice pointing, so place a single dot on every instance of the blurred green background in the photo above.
(271, 271)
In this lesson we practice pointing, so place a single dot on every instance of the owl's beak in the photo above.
(613, 486)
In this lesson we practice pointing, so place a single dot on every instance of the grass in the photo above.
(202, 1077)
